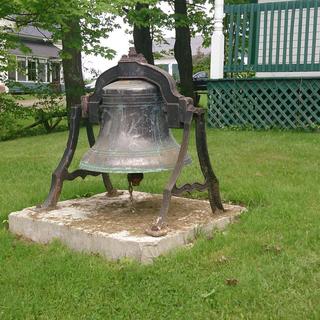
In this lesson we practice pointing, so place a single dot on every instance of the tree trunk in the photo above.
(72, 64)
(182, 48)
(142, 37)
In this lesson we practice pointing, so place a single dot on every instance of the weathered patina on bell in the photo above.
(134, 134)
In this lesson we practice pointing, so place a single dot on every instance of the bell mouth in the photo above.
(127, 163)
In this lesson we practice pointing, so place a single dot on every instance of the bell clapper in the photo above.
(134, 179)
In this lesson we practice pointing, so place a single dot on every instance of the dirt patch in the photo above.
(112, 215)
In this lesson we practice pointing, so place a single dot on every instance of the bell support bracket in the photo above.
(134, 66)
(180, 111)
(159, 228)
(61, 173)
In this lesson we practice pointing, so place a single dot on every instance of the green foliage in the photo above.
(158, 19)
(95, 21)
(241, 75)
(203, 101)
(200, 20)
(201, 63)
(78, 24)
(47, 112)
(49, 109)
(150, 14)
(11, 115)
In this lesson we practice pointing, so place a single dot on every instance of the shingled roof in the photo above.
(34, 32)
(38, 49)
(39, 41)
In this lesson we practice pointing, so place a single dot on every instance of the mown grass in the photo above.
(20, 97)
(203, 101)
(272, 252)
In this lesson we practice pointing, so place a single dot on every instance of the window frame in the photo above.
(21, 58)
(47, 64)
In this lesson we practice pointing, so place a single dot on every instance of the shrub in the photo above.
(42, 117)
(11, 114)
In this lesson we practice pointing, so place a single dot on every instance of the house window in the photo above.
(12, 75)
(21, 69)
(48, 72)
(32, 70)
(42, 72)
(55, 66)
(175, 72)
(12, 67)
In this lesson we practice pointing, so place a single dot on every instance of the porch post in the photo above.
(217, 42)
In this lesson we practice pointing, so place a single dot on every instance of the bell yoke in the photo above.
(136, 104)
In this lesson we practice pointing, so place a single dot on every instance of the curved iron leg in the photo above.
(112, 192)
(159, 227)
(206, 168)
(105, 176)
(61, 171)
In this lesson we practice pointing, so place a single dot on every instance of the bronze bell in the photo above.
(134, 135)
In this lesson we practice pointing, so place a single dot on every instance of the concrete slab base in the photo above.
(108, 226)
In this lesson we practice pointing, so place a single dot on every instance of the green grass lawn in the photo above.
(20, 97)
(203, 102)
(273, 250)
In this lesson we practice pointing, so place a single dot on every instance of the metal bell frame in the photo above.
(180, 111)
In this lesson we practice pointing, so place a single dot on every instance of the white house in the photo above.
(41, 64)
(166, 58)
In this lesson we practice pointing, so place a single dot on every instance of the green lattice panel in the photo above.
(264, 103)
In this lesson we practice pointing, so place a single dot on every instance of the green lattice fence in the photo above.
(264, 103)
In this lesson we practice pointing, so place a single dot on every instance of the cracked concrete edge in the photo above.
(111, 246)
(44, 232)
(179, 240)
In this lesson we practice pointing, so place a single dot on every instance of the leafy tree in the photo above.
(78, 23)
(188, 18)
(182, 47)
(142, 31)
(201, 63)
(191, 17)
(147, 19)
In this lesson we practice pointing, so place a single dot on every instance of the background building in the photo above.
(39, 65)
(164, 56)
